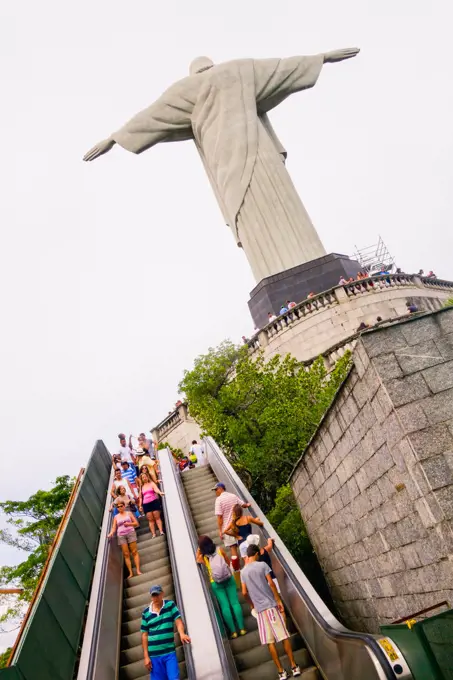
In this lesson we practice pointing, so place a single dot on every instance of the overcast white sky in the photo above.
(116, 274)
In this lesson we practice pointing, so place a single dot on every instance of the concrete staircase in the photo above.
(252, 659)
(155, 565)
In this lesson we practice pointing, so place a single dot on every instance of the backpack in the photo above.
(193, 458)
(218, 569)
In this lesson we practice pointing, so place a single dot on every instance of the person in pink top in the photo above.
(224, 505)
(150, 503)
(124, 524)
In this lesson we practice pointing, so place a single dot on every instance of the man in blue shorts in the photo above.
(158, 637)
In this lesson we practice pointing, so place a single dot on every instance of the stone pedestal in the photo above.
(296, 283)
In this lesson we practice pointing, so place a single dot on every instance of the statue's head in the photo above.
(200, 64)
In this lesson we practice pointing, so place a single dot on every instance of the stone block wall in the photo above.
(375, 485)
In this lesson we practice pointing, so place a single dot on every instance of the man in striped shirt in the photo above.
(223, 510)
(128, 472)
(158, 638)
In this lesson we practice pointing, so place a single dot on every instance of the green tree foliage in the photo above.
(262, 414)
(177, 453)
(449, 302)
(4, 656)
(287, 521)
(34, 523)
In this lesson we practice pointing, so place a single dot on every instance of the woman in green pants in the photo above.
(223, 584)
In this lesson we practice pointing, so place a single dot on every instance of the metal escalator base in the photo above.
(251, 657)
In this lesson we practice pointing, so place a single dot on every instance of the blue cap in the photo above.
(219, 485)
(156, 590)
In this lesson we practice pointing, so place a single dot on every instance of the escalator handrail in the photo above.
(333, 630)
(226, 658)
(190, 666)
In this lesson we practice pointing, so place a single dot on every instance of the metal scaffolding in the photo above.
(375, 258)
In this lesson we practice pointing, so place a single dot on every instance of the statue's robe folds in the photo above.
(224, 110)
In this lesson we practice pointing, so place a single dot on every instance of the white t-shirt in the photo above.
(125, 453)
(123, 482)
(272, 318)
(197, 449)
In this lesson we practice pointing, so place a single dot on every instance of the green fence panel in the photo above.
(427, 646)
(437, 632)
(49, 645)
(11, 673)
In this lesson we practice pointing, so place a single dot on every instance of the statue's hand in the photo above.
(340, 55)
(99, 149)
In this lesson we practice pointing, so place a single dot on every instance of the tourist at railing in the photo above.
(411, 307)
(124, 525)
(290, 305)
(431, 275)
(283, 310)
(150, 503)
(259, 590)
(363, 327)
(271, 317)
(223, 584)
(158, 621)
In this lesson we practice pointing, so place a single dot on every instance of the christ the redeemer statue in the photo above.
(223, 108)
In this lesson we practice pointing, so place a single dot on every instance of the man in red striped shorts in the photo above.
(260, 591)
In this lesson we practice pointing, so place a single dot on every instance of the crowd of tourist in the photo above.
(240, 563)
(359, 286)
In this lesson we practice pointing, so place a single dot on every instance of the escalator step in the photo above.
(252, 659)
(268, 671)
(259, 654)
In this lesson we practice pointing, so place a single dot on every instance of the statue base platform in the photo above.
(296, 283)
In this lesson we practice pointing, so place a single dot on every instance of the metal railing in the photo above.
(340, 654)
(331, 298)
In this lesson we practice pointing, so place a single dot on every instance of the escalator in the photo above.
(251, 658)
(111, 649)
(156, 568)
(322, 646)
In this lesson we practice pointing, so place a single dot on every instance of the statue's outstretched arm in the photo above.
(340, 55)
(99, 149)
